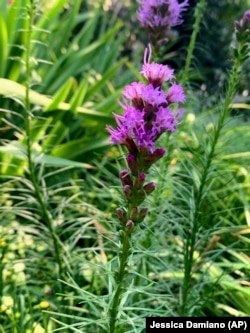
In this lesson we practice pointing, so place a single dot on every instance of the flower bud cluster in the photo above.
(135, 191)
(241, 48)
(242, 27)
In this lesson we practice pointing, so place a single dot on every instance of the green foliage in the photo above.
(61, 73)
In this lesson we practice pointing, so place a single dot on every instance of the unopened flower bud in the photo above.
(121, 215)
(244, 24)
(157, 154)
(142, 214)
(125, 178)
(130, 224)
(242, 32)
(138, 214)
(134, 213)
(140, 180)
(149, 187)
(127, 190)
(131, 146)
(132, 163)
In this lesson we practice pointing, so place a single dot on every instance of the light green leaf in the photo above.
(17, 150)
(240, 106)
(10, 89)
(244, 154)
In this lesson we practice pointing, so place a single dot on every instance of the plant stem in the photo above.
(199, 12)
(28, 116)
(199, 196)
(2, 264)
(124, 255)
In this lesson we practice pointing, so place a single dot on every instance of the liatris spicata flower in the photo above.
(159, 16)
(243, 26)
(149, 111)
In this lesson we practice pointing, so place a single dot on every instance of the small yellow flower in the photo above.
(44, 305)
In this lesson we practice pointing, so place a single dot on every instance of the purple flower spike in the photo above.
(148, 113)
(161, 13)
(159, 16)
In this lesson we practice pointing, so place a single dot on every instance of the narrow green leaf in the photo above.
(61, 95)
(78, 147)
(79, 95)
(13, 19)
(56, 135)
(39, 128)
(86, 34)
(75, 62)
(3, 45)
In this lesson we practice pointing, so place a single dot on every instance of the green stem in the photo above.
(124, 255)
(28, 116)
(2, 264)
(192, 239)
(199, 12)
